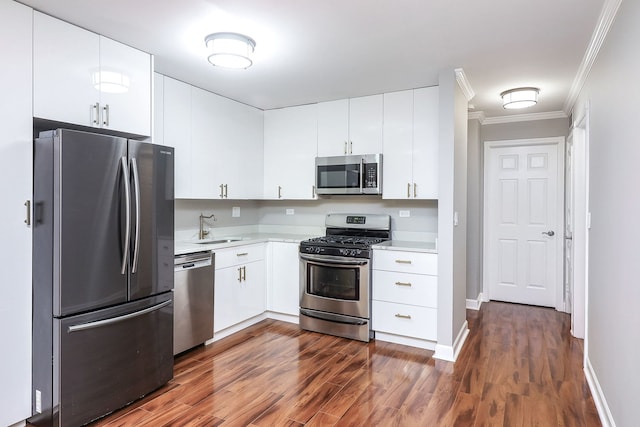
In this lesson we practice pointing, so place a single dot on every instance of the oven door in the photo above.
(332, 284)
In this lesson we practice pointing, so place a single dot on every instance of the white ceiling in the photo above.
(318, 50)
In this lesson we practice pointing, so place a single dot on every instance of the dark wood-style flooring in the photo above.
(519, 367)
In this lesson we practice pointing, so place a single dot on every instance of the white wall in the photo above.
(614, 202)
(477, 135)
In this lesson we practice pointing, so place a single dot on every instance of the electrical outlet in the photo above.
(404, 214)
(290, 211)
(235, 212)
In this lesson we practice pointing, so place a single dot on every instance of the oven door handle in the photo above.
(333, 261)
(330, 317)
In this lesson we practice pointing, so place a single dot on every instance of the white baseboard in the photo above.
(236, 328)
(450, 353)
(400, 339)
(474, 304)
(606, 418)
(290, 318)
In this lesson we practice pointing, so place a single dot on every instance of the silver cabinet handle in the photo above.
(221, 191)
(403, 284)
(403, 316)
(27, 220)
(105, 118)
(350, 147)
(244, 273)
(415, 190)
(95, 113)
(345, 147)
(242, 254)
(226, 194)
(408, 190)
(403, 261)
(239, 274)
(136, 188)
(279, 192)
(127, 204)
(313, 191)
(549, 233)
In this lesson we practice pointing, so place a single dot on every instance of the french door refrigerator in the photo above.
(102, 274)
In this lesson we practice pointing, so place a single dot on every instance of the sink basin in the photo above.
(215, 241)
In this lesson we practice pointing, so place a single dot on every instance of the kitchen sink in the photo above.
(216, 241)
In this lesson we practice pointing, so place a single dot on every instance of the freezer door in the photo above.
(88, 230)
(152, 219)
(112, 357)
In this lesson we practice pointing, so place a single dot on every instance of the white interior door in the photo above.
(524, 221)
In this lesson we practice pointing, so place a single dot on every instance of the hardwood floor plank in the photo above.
(519, 367)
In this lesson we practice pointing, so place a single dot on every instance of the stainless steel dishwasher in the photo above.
(193, 300)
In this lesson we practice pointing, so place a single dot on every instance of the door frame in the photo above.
(528, 142)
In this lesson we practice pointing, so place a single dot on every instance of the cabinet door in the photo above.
(225, 301)
(425, 142)
(251, 292)
(333, 128)
(284, 285)
(177, 132)
(397, 150)
(207, 153)
(240, 133)
(290, 146)
(65, 60)
(365, 125)
(16, 188)
(125, 88)
(158, 109)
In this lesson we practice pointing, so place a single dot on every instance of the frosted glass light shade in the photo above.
(522, 97)
(230, 50)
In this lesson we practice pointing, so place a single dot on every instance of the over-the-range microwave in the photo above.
(356, 174)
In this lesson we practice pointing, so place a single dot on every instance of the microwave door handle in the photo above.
(363, 175)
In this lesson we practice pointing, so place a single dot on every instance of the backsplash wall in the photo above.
(421, 224)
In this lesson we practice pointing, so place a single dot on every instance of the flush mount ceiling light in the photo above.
(230, 50)
(521, 97)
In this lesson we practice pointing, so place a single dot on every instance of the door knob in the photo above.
(549, 233)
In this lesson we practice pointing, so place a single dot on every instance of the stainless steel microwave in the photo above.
(357, 174)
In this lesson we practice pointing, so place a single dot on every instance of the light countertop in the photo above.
(407, 246)
(188, 246)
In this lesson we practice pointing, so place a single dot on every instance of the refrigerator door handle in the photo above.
(136, 187)
(105, 322)
(127, 200)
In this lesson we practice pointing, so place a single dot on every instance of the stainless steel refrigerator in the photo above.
(102, 274)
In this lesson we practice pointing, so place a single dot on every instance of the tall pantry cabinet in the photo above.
(16, 183)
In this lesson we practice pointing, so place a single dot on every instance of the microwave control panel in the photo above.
(370, 175)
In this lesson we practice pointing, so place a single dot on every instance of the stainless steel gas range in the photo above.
(335, 275)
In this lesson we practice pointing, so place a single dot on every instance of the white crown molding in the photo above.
(464, 84)
(476, 115)
(607, 16)
(525, 117)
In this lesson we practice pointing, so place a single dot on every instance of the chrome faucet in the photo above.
(202, 233)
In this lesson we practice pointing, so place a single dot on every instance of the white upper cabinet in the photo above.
(158, 109)
(82, 78)
(290, 144)
(177, 132)
(410, 148)
(16, 171)
(350, 126)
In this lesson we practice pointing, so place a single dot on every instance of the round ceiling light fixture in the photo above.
(230, 50)
(521, 97)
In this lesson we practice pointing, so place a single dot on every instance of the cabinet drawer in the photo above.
(408, 262)
(405, 288)
(407, 320)
(238, 255)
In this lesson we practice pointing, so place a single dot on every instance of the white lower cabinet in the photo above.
(283, 295)
(239, 285)
(405, 297)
